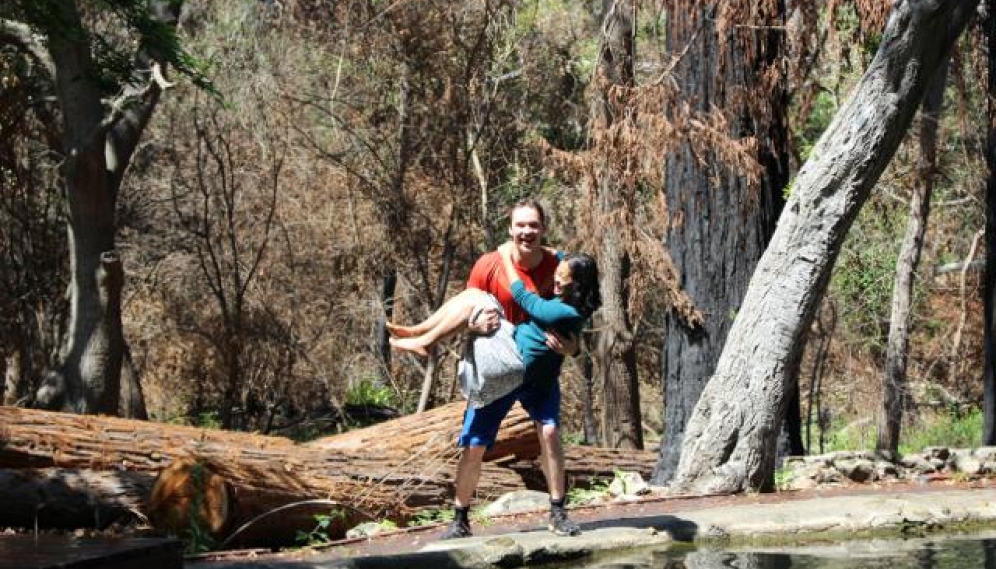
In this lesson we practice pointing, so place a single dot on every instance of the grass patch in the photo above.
(950, 428)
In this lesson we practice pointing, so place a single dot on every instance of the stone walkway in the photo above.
(758, 520)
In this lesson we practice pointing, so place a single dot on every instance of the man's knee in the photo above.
(549, 433)
(475, 450)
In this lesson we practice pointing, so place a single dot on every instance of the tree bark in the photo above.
(897, 352)
(388, 481)
(721, 225)
(97, 146)
(989, 287)
(615, 353)
(730, 441)
(436, 430)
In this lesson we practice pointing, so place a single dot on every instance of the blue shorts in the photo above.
(480, 426)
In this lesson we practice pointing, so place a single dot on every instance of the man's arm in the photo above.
(487, 320)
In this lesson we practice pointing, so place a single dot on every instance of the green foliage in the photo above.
(113, 30)
(954, 429)
(367, 392)
(196, 538)
(431, 517)
(783, 478)
(598, 490)
(864, 277)
(208, 420)
(571, 438)
(319, 535)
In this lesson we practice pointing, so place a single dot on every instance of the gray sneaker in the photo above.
(560, 524)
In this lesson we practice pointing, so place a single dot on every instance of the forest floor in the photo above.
(828, 512)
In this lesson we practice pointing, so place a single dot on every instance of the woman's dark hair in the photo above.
(583, 294)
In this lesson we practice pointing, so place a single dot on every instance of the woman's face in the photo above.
(562, 278)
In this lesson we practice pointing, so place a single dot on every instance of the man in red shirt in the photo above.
(535, 265)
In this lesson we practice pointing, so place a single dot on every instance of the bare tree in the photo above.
(730, 440)
(229, 213)
(897, 355)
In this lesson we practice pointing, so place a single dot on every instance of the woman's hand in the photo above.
(565, 345)
(505, 250)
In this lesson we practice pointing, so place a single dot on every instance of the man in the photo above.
(535, 265)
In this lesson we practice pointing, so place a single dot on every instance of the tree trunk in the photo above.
(989, 288)
(587, 466)
(436, 430)
(615, 353)
(587, 366)
(730, 440)
(791, 438)
(132, 397)
(96, 151)
(71, 498)
(897, 353)
(388, 288)
(721, 225)
(387, 482)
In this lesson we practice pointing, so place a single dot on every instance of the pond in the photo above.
(966, 551)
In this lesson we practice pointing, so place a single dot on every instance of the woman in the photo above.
(576, 297)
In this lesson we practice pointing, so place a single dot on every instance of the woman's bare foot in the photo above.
(399, 331)
(412, 345)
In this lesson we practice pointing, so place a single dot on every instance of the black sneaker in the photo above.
(561, 525)
(457, 529)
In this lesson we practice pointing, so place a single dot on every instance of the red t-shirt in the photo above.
(488, 275)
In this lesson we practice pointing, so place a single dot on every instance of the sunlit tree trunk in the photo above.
(897, 354)
(96, 142)
(721, 225)
(615, 348)
(731, 438)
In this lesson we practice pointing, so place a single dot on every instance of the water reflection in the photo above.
(948, 552)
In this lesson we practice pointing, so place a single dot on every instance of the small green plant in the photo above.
(368, 392)
(208, 420)
(571, 439)
(430, 517)
(783, 478)
(593, 493)
(319, 535)
(197, 538)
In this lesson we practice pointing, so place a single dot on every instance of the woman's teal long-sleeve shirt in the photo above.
(542, 364)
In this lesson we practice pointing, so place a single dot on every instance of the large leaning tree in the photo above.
(102, 63)
(730, 441)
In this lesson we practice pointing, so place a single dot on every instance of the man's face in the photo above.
(526, 230)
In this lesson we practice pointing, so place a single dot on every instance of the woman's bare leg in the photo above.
(399, 331)
(450, 318)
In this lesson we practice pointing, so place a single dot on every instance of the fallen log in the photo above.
(437, 430)
(586, 466)
(257, 473)
(250, 475)
(71, 498)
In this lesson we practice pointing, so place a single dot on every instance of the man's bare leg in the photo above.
(552, 461)
(467, 475)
